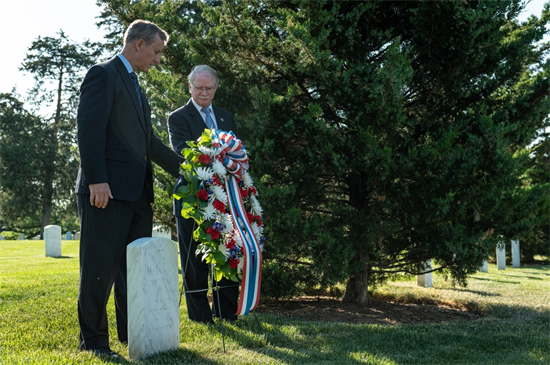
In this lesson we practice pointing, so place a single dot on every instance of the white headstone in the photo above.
(77, 236)
(68, 235)
(484, 267)
(21, 236)
(153, 297)
(1, 238)
(515, 254)
(52, 241)
(501, 255)
(159, 232)
(425, 279)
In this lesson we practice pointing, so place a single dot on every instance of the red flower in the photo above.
(216, 181)
(244, 193)
(258, 219)
(219, 205)
(233, 263)
(214, 233)
(230, 243)
(250, 217)
(204, 159)
(202, 195)
(253, 190)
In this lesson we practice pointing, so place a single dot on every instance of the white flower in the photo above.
(219, 168)
(207, 151)
(256, 230)
(204, 173)
(261, 230)
(240, 266)
(204, 250)
(238, 240)
(209, 212)
(255, 206)
(224, 250)
(219, 193)
(226, 220)
(247, 180)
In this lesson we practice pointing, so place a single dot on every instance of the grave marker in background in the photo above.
(515, 254)
(484, 267)
(52, 241)
(425, 279)
(501, 255)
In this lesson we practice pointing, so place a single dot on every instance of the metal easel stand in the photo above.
(215, 288)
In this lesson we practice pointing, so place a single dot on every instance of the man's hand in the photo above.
(100, 194)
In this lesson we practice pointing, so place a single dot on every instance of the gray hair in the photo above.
(202, 68)
(143, 29)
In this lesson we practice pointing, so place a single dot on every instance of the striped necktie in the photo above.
(209, 122)
(133, 76)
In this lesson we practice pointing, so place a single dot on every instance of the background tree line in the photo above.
(381, 133)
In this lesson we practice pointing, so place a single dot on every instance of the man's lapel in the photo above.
(130, 88)
(196, 117)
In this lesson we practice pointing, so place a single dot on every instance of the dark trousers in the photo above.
(104, 235)
(195, 276)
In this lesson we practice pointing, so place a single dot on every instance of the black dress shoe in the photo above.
(106, 352)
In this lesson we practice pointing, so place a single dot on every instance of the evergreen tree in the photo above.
(384, 133)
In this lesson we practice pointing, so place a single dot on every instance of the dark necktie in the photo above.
(209, 121)
(137, 88)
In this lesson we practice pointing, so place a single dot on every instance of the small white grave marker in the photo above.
(153, 298)
(52, 241)
(515, 254)
(425, 279)
(484, 267)
(159, 232)
(501, 255)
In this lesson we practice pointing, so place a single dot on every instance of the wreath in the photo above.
(215, 166)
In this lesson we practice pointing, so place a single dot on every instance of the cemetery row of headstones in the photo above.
(425, 280)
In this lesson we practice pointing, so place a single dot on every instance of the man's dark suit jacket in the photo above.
(113, 147)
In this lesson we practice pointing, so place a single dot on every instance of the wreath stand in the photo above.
(214, 288)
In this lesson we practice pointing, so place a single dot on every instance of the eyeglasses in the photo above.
(207, 89)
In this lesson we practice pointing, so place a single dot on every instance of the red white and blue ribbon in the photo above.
(252, 269)
(232, 154)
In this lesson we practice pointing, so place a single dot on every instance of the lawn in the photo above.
(38, 322)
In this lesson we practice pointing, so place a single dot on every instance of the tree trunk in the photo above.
(357, 285)
(47, 203)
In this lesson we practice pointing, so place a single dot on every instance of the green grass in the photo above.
(38, 322)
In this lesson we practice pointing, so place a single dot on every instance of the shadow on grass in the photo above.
(477, 292)
(308, 342)
(495, 280)
(179, 356)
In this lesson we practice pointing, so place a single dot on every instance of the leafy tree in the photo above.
(22, 137)
(57, 65)
(384, 133)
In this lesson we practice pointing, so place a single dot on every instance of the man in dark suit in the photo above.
(115, 179)
(187, 124)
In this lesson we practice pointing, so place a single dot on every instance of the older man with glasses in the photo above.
(187, 124)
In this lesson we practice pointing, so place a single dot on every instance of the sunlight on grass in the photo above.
(38, 322)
